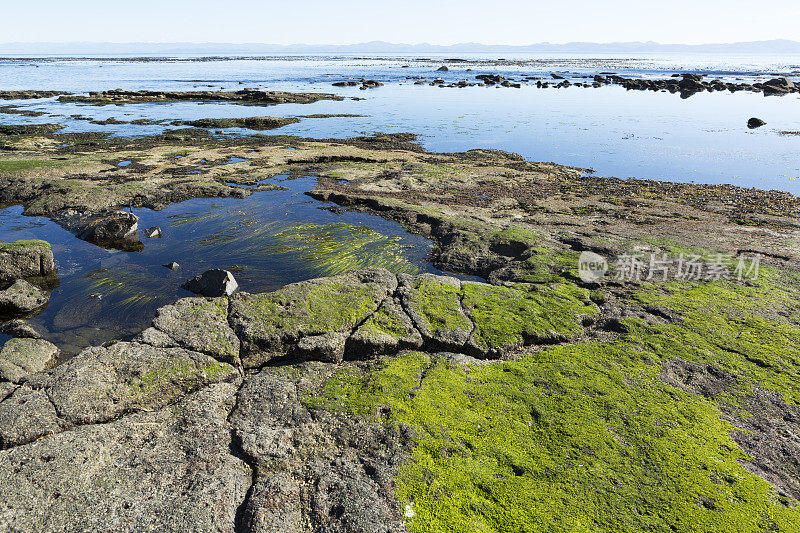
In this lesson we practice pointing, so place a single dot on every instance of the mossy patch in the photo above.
(510, 317)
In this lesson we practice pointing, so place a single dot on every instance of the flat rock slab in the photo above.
(271, 325)
(168, 470)
(20, 358)
(198, 324)
(102, 384)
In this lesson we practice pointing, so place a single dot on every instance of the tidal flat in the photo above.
(421, 340)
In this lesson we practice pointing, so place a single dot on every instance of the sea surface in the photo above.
(278, 237)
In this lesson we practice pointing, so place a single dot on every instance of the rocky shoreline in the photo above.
(374, 401)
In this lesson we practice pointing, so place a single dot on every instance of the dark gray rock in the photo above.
(20, 358)
(213, 283)
(21, 298)
(341, 468)
(167, 470)
(20, 329)
(172, 266)
(119, 229)
(754, 123)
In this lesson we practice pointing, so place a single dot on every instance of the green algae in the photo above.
(383, 322)
(510, 317)
(20, 165)
(576, 438)
(312, 308)
(439, 305)
(585, 436)
(24, 244)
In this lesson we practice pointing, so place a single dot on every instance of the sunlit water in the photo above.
(278, 237)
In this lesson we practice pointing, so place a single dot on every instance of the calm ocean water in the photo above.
(615, 132)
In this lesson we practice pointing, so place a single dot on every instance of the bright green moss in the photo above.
(24, 244)
(576, 438)
(383, 322)
(749, 330)
(440, 305)
(507, 317)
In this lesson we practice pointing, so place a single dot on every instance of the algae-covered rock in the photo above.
(386, 331)
(101, 384)
(434, 304)
(199, 324)
(21, 298)
(25, 259)
(271, 325)
(167, 470)
(20, 358)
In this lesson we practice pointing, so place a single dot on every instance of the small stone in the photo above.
(172, 266)
(754, 123)
(213, 283)
(153, 233)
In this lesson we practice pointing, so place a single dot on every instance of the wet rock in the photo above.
(443, 69)
(167, 470)
(117, 230)
(754, 123)
(213, 283)
(25, 259)
(172, 266)
(20, 358)
(20, 329)
(200, 325)
(153, 233)
(21, 298)
(778, 86)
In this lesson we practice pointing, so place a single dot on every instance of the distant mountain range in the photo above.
(778, 46)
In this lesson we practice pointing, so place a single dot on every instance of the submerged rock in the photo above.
(20, 329)
(213, 283)
(21, 298)
(20, 358)
(25, 259)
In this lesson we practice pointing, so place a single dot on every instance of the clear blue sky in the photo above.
(409, 21)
